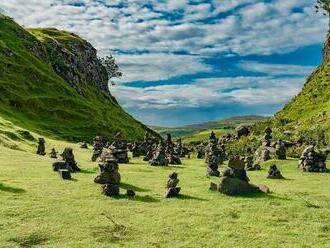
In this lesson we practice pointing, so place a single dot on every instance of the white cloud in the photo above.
(211, 92)
(154, 67)
(276, 69)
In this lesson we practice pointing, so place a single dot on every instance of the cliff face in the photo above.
(326, 50)
(52, 82)
(73, 58)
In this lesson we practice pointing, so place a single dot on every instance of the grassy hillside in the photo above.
(34, 97)
(309, 112)
(205, 135)
(38, 209)
(194, 130)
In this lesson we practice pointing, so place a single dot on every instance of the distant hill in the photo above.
(52, 83)
(227, 124)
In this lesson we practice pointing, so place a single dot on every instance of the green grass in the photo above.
(38, 209)
(191, 130)
(34, 97)
(205, 135)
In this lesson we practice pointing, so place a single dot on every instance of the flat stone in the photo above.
(65, 174)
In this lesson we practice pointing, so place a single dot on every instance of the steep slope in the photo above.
(308, 113)
(52, 83)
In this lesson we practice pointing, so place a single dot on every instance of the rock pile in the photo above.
(171, 186)
(200, 151)
(97, 147)
(68, 162)
(171, 156)
(280, 150)
(41, 149)
(250, 165)
(313, 161)
(159, 158)
(274, 173)
(109, 177)
(213, 159)
(53, 153)
(119, 149)
(235, 180)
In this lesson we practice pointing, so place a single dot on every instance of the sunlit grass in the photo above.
(38, 208)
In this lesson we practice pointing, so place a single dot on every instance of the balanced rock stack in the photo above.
(171, 186)
(200, 151)
(280, 150)
(250, 165)
(151, 150)
(68, 161)
(53, 153)
(274, 173)
(119, 149)
(136, 150)
(312, 161)
(97, 147)
(41, 149)
(159, 157)
(213, 159)
(235, 180)
(169, 151)
(110, 178)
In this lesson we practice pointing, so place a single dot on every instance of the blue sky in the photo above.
(188, 61)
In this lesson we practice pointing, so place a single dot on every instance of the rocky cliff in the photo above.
(52, 82)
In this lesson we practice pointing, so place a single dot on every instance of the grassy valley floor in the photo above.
(38, 209)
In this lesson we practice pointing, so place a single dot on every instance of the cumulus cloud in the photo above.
(155, 67)
(276, 69)
(159, 40)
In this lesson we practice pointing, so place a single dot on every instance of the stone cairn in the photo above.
(250, 165)
(53, 153)
(249, 162)
(280, 150)
(135, 149)
(171, 187)
(98, 145)
(200, 151)
(274, 173)
(179, 149)
(41, 149)
(213, 159)
(150, 152)
(109, 177)
(313, 161)
(84, 145)
(68, 162)
(159, 158)
(169, 152)
(119, 149)
(235, 180)
(264, 152)
(147, 147)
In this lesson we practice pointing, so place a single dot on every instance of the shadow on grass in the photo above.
(11, 189)
(261, 195)
(132, 187)
(84, 171)
(188, 197)
(146, 198)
